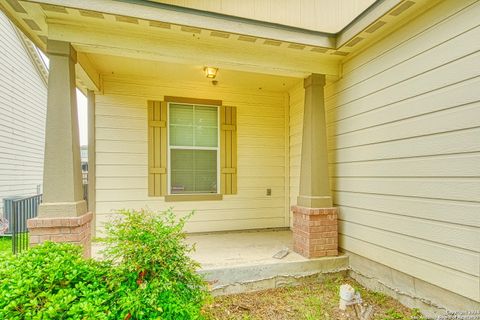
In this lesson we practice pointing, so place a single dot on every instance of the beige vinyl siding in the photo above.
(121, 150)
(404, 149)
(23, 98)
(319, 15)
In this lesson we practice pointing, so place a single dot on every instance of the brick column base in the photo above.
(315, 231)
(76, 230)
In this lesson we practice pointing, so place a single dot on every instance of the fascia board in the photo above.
(369, 16)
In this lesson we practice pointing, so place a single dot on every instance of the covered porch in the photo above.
(249, 260)
(243, 261)
(268, 95)
(394, 77)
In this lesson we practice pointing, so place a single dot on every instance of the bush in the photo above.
(53, 281)
(147, 275)
(157, 278)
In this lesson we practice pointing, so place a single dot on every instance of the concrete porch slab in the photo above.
(235, 262)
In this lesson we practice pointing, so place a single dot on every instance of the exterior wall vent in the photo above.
(319, 50)
(247, 38)
(354, 41)
(126, 19)
(404, 6)
(91, 14)
(32, 24)
(190, 29)
(272, 43)
(16, 6)
(219, 34)
(296, 46)
(53, 8)
(159, 24)
(374, 27)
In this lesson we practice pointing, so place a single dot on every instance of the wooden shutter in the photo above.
(228, 150)
(157, 148)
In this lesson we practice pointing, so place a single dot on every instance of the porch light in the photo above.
(210, 72)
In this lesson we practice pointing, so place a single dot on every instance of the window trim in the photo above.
(192, 196)
(185, 100)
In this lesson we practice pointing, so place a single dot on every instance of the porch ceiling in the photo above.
(129, 68)
(146, 30)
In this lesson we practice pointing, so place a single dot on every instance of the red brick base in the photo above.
(315, 231)
(76, 230)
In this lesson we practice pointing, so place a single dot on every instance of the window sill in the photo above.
(193, 197)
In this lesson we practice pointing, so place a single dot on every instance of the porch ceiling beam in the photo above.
(266, 60)
(88, 76)
(201, 19)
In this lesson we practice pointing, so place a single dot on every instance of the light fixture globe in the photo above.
(210, 72)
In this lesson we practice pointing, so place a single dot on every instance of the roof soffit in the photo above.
(132, 17)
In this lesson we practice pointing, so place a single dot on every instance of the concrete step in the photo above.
(261, 276)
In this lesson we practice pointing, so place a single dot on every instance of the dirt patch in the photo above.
(308, 302)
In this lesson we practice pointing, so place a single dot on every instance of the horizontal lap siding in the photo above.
(23, 99)
(122, 159)
(404, 149)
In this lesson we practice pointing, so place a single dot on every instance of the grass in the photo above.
(317, 301)
(5, 245)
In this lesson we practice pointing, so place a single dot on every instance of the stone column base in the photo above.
(76, 230)
(315, 231)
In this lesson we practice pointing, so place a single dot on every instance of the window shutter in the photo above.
(157, 148)
(228, 150)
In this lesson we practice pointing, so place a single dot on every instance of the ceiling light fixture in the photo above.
(210, 72)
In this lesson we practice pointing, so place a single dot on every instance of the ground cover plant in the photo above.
(147, 274)
(53, 281)
(5, 245)
(313, 301)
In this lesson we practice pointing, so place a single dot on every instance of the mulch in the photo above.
(318, 300)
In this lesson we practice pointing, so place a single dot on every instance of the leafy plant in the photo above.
(5, 245)
(155, 275)
(147, 275)
(53, 281)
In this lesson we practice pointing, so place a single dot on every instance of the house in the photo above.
(364, 114)
(23, 107)
(84, 161)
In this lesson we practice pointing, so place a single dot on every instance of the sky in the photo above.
(82, 117)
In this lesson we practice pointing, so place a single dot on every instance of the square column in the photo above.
(75, 230)
(91, 159)
(315, 227)
(63, 214)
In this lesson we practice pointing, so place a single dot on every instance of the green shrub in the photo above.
(146, 275)
(157, 278)
(53, 281)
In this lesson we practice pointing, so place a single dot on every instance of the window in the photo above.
(193, 149)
